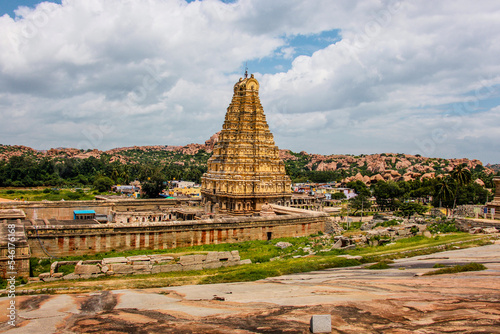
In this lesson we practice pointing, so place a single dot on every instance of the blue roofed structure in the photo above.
(83, 214)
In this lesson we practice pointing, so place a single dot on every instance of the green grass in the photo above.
(473, 266)
(258, 251)
(39, 266)
(254, 272)
(352, 225)
(444, 226)
(381, 265)
(392, 222)
(66, 269)
(417, 245)
(46, 194)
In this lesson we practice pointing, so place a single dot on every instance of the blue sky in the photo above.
(336, 77)
(8, 7)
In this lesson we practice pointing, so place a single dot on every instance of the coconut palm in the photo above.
(462, 177)
(444, 190)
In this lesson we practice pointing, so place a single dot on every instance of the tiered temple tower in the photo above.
(245, 171)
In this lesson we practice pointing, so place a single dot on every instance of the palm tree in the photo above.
(463, 177)
(444, 190)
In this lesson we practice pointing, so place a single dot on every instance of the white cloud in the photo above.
(163, 70)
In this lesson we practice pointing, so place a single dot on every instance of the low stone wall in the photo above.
(144, 264)
(468, 211)
(465, 225)
(60, 241)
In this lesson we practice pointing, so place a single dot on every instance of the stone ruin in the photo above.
(144, 264)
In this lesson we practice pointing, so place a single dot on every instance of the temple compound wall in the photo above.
(65, 240)
(64, 210)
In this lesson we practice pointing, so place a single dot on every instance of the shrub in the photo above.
(66, 269)
(392, 222)
(444, 226)
(381, 265)
(473, 266)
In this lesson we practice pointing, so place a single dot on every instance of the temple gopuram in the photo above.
(245, 172)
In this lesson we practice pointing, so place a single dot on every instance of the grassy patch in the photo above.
(258, 251)
(351, 225)
(47, 194)
(271, 269)
(66, 269)
(418, 245)
(392, 222)
(380, 265)
(39, 266)
(444, 226)
(473, 266)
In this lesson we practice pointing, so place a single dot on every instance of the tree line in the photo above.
(29, 171)
(449, 191)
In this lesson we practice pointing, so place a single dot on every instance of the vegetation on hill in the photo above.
(153, 165)
(28, 170)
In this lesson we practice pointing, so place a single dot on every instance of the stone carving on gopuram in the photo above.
(245, 171)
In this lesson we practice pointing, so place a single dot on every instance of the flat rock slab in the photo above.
(110, 260)
(358, 301)
(158, 258)
(138, 258)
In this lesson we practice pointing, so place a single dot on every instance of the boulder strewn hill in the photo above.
(368, 168)
(385, 166)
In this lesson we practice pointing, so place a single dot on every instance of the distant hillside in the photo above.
(495, 167)
(386, 166)
(189, 162)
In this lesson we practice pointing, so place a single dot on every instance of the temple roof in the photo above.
(247, 84)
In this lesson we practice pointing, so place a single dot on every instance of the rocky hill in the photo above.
(386, 166)
(368, 168)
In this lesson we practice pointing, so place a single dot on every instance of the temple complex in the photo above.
(245, 173)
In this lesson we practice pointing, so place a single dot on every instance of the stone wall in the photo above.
(144, 264)
(468, 210)
(14, 250)
(59, 241)
(465, 225)
(63, 210)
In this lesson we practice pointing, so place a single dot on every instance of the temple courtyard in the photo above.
(395, 300)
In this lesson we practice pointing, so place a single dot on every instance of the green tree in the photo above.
(103, 183)
(410, 208)
(339, 196)
(462, 177)
(359, 187)
(443, 192)
(152, 185)
(388, 194)
(360, 202)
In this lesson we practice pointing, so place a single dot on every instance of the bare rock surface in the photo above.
(359, 301)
